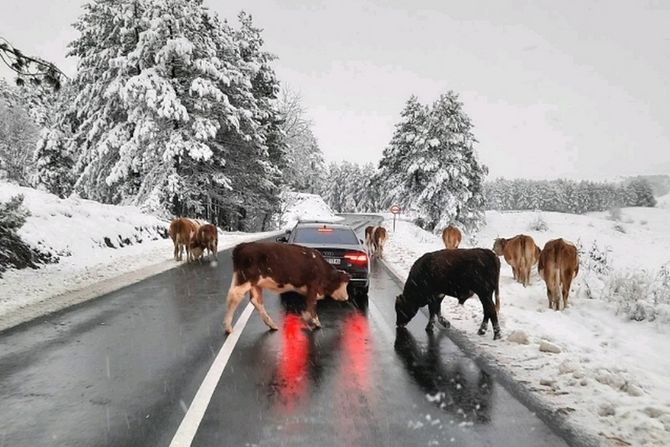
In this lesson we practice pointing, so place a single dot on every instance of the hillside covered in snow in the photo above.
(89, 244)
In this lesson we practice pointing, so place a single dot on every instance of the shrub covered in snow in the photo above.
(14, 252)
(620, 228)
(538, 224)
(641, 296)
(615, 214)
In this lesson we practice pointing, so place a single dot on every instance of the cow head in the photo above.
(499, 246)
(337, 285)
(404, 310)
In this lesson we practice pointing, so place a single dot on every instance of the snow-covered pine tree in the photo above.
(53, 159)
(640, 192)
(398, 156)
(167, 97)
(372, 193)
(304, 166)
(255, 149)
(444, 179)
(18, 135)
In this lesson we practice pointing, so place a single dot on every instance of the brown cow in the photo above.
(282, 268)
(378, 239)
(558, 265)
(451, 236)
(181, 230)
(521, 253)
(206, 238)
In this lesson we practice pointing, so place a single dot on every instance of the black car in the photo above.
(340, 246)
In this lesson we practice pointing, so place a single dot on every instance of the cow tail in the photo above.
(557, 287)
(522, 262)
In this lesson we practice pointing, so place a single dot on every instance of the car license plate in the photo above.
(333, 261)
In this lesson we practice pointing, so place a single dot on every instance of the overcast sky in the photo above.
(575, 88)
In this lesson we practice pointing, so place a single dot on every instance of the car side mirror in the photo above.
(282, 239)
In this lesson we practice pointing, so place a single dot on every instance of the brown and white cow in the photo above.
(205, 238)
(521, 253)
(451, 236)
(379, 237)
(181, 230)
(282, 268)
(558, 265)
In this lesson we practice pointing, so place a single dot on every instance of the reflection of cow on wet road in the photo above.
(448, 383)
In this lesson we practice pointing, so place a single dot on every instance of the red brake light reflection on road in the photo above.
(356, 258)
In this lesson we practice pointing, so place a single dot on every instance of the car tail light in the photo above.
(325, 230)
(356, 258)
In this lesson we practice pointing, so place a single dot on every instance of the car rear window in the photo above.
(325, 235)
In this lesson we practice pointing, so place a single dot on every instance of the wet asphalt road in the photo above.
(122, 370)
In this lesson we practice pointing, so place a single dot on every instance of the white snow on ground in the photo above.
(663, 202)
(611, 374)
(301, 206)
(75, 229)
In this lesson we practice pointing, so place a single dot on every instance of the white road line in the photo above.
(189, 425)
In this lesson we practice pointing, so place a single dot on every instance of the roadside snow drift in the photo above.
(610, 374)
(302, 206)
(77, 227)
(100, 248)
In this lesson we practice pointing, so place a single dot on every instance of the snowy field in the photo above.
(82, 233)
(610, 376)
(663, 202)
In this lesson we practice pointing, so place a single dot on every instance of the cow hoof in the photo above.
(496, 335)
(444, 322)
(429, 327)
(228, 330)
(481, 332)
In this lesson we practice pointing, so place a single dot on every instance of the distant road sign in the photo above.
(395, 209)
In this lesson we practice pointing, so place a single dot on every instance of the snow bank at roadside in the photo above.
(302, 206)
(610, 376)
(77, 228)
(95, 244)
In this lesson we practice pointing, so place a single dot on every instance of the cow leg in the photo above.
(566, 281)
(494, 317)
(235, 295)
(485, 322)
(432, 314)
(257, 301)
(175, 252)
(310, 314)
(489, 314)
(435, 310)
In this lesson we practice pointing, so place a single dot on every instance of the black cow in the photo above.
(460, 273)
